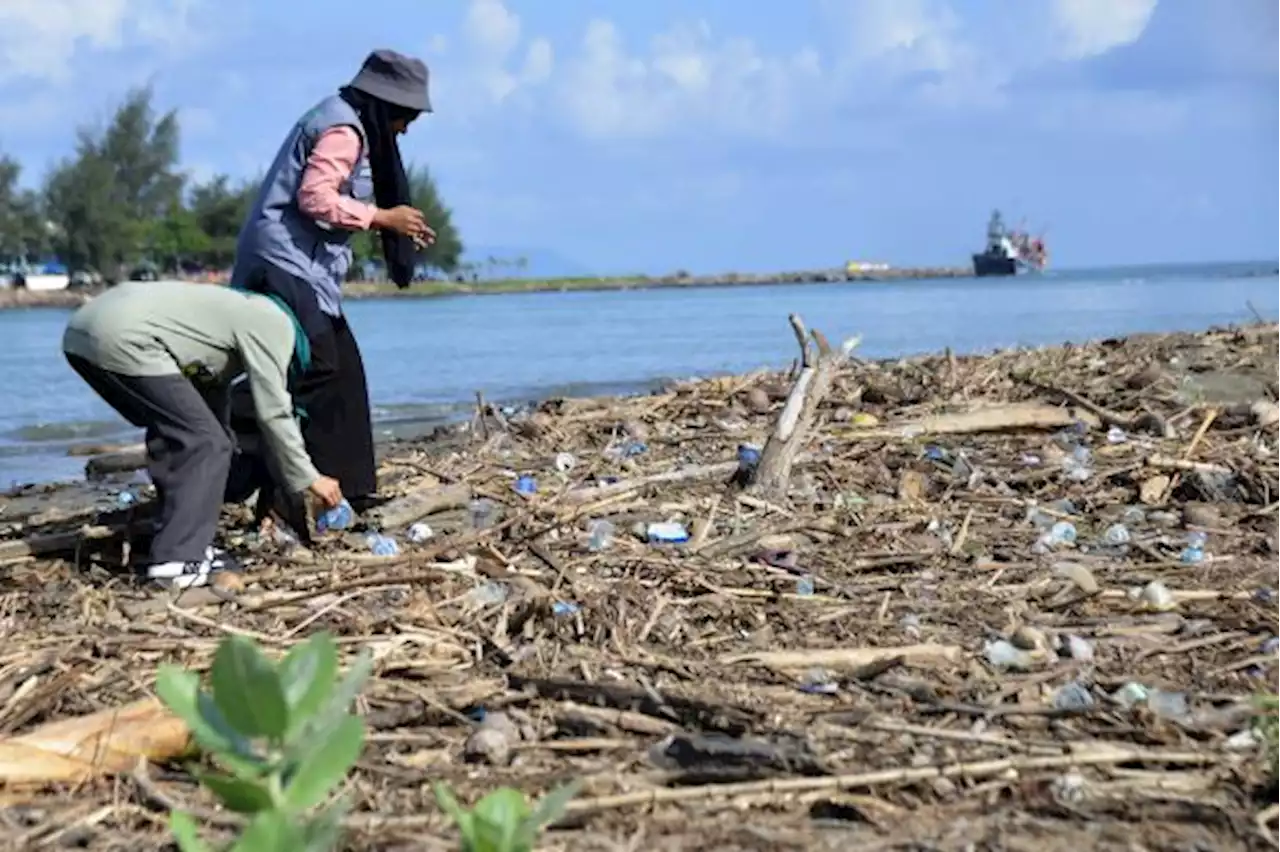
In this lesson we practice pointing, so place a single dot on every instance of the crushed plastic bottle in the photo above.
(1078, 466)
(338, 517)
(1130, 695)
(562, 608)
(481, 512)
(666, 533)
(1168, 705)
(1073, 696)
(1116, 535)
(1001, 654)
(1193, 553)
(382, 545)
(1077, 647)
(804, 586)
(1156, 596)
(1062, 532)
(488, 594)
(818, 681)
(1116, 435)
(565, 462)
(526, 485)
(419, 532)
(126, 498)
(599, 535)
(1039, 518)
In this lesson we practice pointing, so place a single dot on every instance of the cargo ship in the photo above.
(1009, 251)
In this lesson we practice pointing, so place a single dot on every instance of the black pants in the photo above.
(334, 392)
(188, 454)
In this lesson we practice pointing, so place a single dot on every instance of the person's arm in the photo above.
(331, 162)
(266, 348)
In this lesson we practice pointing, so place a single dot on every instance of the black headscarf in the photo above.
(390, 183)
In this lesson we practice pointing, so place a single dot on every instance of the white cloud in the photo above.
(1094, 27)
(39, 38)
(686, 78)
(494, 33)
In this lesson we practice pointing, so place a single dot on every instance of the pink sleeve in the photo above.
(330, 163)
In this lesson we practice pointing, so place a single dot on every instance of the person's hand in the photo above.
(326, 490)
(426, 238)
(404, 220)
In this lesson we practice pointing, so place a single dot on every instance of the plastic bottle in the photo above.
(1003, 655)
(526, 485)
(338, 517)
(419, 532)
(565, 462)
(1073, 696)
(666, 533)
(599, 535)
(1193, 553)
(381, 545)
(1116, 534)
(481, 512)
(804, 586)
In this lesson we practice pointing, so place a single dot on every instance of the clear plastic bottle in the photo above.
(338, 517)
(381, 545)
(599, 535)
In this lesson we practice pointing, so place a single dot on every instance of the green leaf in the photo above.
(270, 831)
(238, 794)
(185, 832)
(466, 826)
(335, 710)
(325, 765)
(551, 807)
(247, 689)
(501, 816)
(307, 674)
(179, 689)
(322, 833)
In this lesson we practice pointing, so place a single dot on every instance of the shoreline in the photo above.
(1022, 536)
(11, 299)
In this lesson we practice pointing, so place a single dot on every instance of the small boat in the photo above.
(1009, 252)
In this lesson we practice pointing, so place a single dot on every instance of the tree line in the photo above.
(121, 200)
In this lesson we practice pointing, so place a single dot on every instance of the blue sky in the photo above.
(713, 135)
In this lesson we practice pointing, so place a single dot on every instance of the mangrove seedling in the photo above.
(282, 736)
(502, 821)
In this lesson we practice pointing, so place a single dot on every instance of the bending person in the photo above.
(162, 354)
(338, 172)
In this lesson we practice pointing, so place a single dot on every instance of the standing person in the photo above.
(338, 171)
(162, 355)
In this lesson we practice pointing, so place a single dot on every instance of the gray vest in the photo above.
(278, 233)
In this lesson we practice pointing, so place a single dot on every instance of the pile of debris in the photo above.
(1025, 598)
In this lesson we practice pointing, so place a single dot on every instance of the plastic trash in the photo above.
(1193, 553)
(126, 498)
(748, 457)
(1156, 595)
(381, 545)
(804, 586)
(1003, 655)
(1168, 705)
(481, 512)
(564, 608)
(419, 532)
(1130, 695)
(1062, 532)
(936, 454)
(1078, 466)
(1077, 647)
(488, 594)
(1116, 534)
(526, 485)
(1116, 435)
(338, 517)
(565, 462)
(666, 533)
(1039, 518)
(819, 682)
(910, 625)
(1073, 696)
(599, 535)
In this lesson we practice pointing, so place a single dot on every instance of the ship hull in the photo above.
(985, 265)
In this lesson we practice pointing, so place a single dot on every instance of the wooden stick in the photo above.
(977, 769)
(117, 461)
(419, 503)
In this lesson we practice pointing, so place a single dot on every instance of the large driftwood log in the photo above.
(51, 544)
(118, 461)
(696, 473)
(817, 368)
(419, 503)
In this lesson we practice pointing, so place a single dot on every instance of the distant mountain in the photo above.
(502, 262)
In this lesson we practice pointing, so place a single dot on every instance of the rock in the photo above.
(1201, 515)
(1078, 574)
(912, 485)
(228, 581)
(757, 401)
(492, 741)
(1152, 490)
(1029, 639)
(1265, 413)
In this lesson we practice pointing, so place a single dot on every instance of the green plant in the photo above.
(503, 821)
(281, 733)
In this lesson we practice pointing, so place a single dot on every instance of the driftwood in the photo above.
(419, 503)
(817, 368)
(698, 473)
(107, 742)
(1013, 417)
(52, 544)
(117, 461)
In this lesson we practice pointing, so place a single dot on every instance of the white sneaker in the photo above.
(181, 575)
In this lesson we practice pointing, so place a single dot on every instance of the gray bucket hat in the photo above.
(395, 78)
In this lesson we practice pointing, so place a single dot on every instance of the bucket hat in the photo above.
(394, 78)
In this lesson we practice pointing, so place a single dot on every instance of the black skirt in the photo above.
(334, 393)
